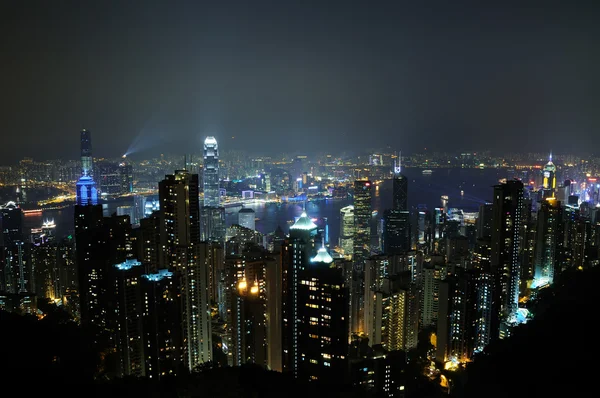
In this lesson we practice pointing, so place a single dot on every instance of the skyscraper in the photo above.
(179, 212)
(347, 230)
(187, 257)
(322, 320)
(249, 325)
(15, 270)
(549, 179)
(297, 253)
(211, 173)
(363, 192)
(396, 233)
(213, 215)
(549, 238)
(507, 239)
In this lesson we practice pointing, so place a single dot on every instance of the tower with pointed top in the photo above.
(549, 181)
(213, 215)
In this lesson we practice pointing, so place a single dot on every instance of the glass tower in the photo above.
(211, 172)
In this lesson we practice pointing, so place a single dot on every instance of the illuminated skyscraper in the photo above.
(128, 311)
(162, 324)
(322, 320)
(549, 182)
(297, 253)
(187, 257)
(549, 239)
(211, 172)
(363, 193)
(15, 270)
(213, 215)
(347, 230)
(507, 239)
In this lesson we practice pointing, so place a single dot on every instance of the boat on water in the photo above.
(427, 172)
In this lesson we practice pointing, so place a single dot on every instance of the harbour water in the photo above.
(476, 186)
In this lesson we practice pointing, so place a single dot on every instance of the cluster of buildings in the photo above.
(179, 289)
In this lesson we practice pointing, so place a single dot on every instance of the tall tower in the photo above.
(213, 215)
(507, 239)
(211, 172)
(322, 340)
(363, 192)
(298, 251)
(549, 182)
(86, 186)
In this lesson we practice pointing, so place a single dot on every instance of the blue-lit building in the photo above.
(87, 193)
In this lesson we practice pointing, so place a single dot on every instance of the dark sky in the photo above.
(279, 75)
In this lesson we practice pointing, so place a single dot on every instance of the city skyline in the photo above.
(293, 198)
(146, 75)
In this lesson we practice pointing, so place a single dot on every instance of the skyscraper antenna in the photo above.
(185, 162)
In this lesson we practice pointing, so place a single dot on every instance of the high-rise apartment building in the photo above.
(296, 254)
(188, 258)
(249, 325)
(179, 214)
(549, 242)
(322, 307)
(507, 239)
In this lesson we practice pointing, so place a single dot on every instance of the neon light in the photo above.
(160, 275)
(128, 264)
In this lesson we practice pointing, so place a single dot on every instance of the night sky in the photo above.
(297, 75)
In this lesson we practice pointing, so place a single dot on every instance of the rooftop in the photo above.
(304, 223)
